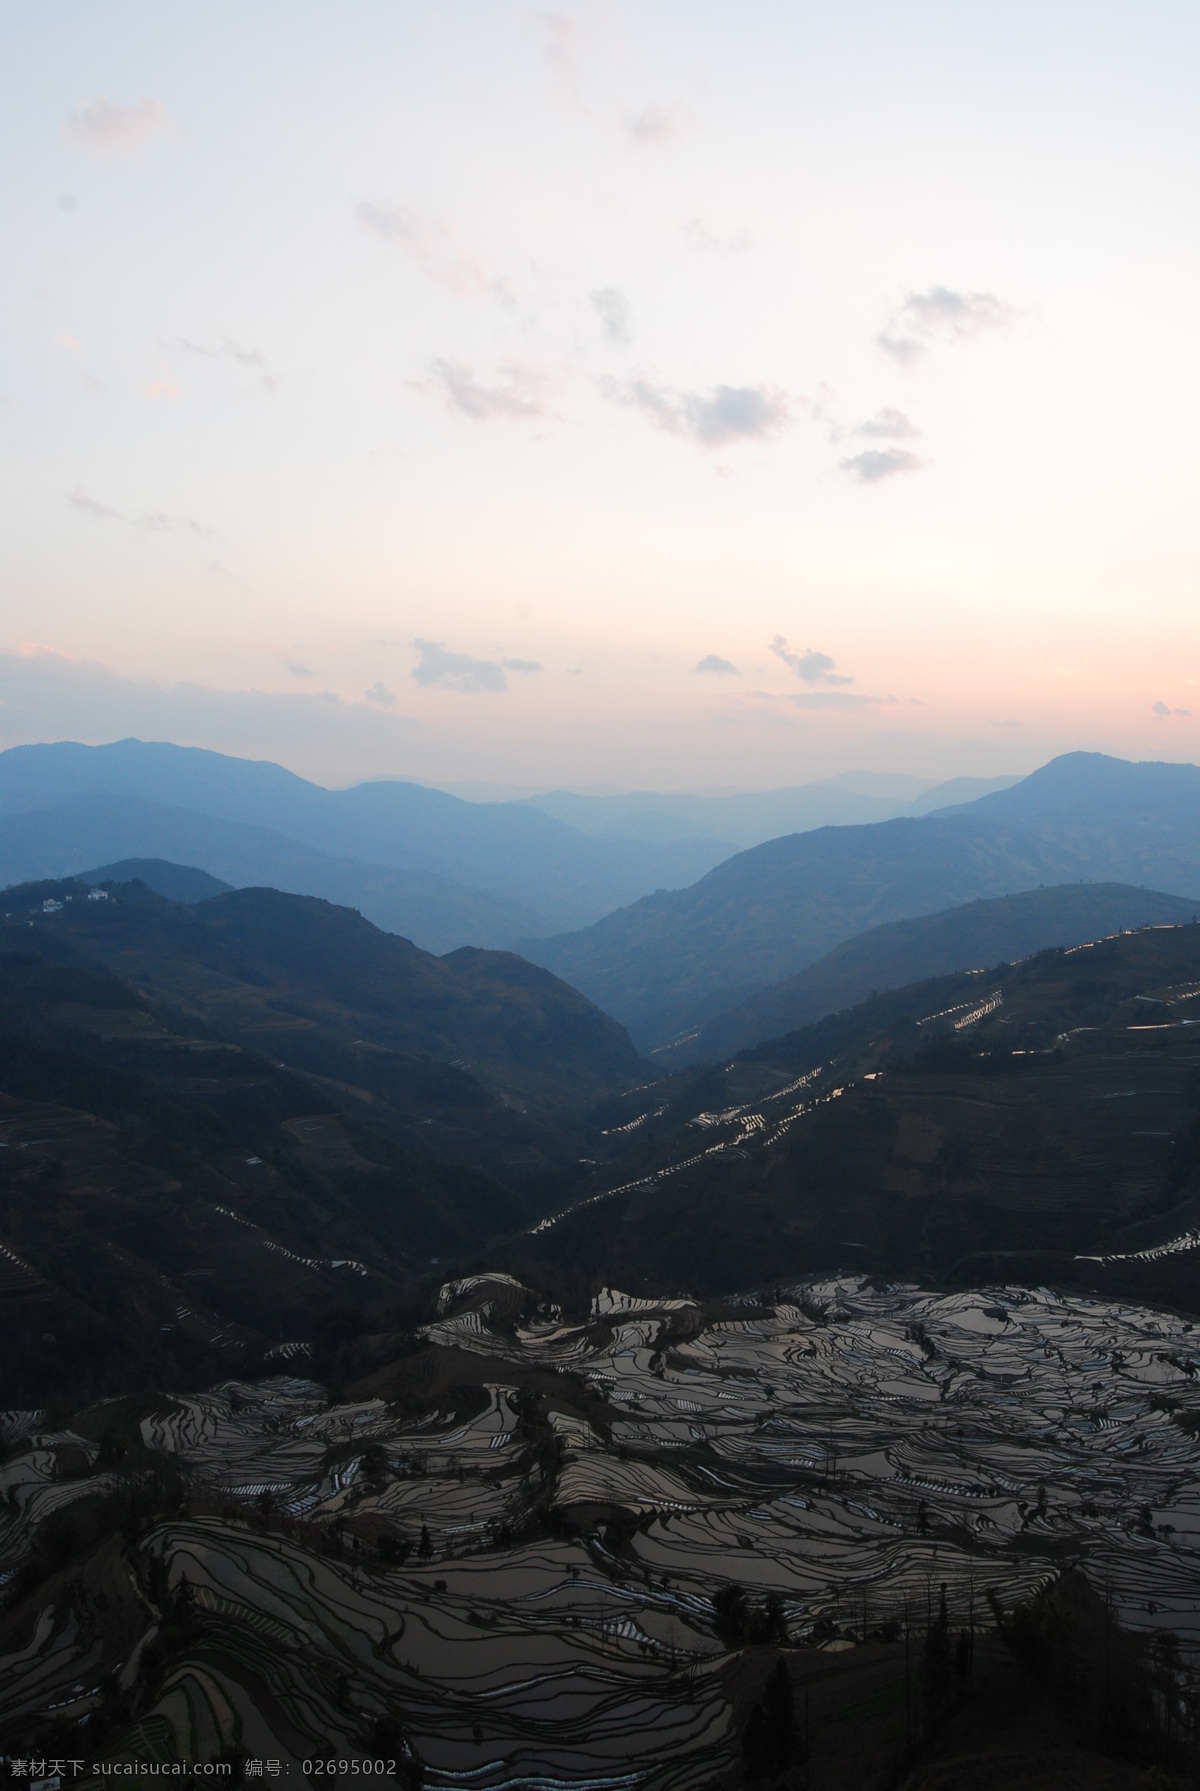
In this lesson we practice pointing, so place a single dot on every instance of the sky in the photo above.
(665, 396)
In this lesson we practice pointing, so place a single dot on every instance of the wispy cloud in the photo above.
(440, 668)
(712, 662)
(521, 394)
(84, 505)
(888, 425)
(715, 418)
(832, 699)
(876, 464)
(1162, 710)
(148, 522)
(381, 696)
(104, 127)
(942, 315)
(431, 247)
(809, 666)
(615, 313)
(249, 360)
(701, 235)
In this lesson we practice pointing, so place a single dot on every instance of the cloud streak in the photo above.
(716, 418)
(153, 522)
(712, 662)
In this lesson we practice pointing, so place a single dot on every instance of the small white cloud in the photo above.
(942, 315)
(653, 126)
(712, 662)
(522, 394)
(714, 418)
(888, 425)
(876, 464)
(104, 127)
(526, 666)
(811, 667)
(615, 313)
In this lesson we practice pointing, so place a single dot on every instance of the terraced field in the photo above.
(524, 1590)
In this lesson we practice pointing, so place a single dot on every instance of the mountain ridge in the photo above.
(974, 935)
(674, 959)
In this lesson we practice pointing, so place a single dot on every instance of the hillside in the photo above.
(175, 1207)
(420, 861)
(225, 1126)
(1038, 1123)
(302, 979)
(999, 930)
(677, 958)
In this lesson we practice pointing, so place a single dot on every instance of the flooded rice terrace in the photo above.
(530, 1589)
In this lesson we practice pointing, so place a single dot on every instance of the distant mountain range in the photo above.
(419, 862)
(673, 961)
(431, 910)
(749, 817)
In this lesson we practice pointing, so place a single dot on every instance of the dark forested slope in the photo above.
(1001, 929)
(1035, 1123)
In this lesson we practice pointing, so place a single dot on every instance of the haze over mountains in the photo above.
(416, 861)
(748, 817)
(677, 958)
